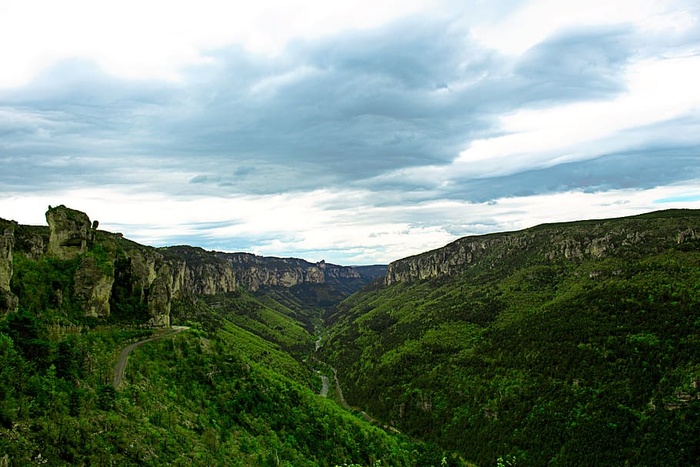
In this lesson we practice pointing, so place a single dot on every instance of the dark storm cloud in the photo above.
(365, 103)
(354, 107)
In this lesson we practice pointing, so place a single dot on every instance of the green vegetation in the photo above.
(233, 389)
(534, 361)
(196, 398)
(46, 286)
(567, 344)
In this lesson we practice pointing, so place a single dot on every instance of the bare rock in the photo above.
(93, 286)
(8, 302)
(70, 232)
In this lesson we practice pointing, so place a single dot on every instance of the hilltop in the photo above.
(110, 270)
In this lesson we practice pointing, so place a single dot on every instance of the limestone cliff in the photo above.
(164, 274)
(70, 232)
(93, 286)
(8, 302)
(255, 271)
(110, 269)
(552, 242)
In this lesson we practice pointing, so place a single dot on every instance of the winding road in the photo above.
(121, 363)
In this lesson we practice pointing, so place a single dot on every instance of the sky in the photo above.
(354, 132)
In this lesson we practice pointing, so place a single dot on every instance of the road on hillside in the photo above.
(121, 363)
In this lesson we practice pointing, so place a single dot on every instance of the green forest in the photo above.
(534, 361)
(237, 387)
(520, 357)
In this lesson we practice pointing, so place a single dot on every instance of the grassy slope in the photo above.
(587, 362)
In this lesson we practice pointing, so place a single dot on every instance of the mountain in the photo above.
(563, 344)
(91, 374)
(110, 270)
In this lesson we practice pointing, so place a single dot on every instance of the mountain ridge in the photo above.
(569, 239)
(562, 344)
(153, 276)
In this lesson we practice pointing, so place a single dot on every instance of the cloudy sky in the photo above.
(356, 132)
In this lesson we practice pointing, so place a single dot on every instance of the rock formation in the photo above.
(111, 266)
(70, 232)
(8, 302)
(93, 287)
(550, 243)
(254, 271)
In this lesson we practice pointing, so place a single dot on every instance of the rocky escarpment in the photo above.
(93, 286)
(8, 302)
(110, 269)
(165, 274)
(70, 232)
(552, 242)
(255, 271)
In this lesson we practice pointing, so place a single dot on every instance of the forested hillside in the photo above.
(222, 396)
(238, 386)
(565, 344)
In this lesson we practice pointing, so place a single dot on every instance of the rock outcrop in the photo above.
(253, 272)
(93, 287)
(112, 268)
(70, 232)
(551, 242)
(8, 302)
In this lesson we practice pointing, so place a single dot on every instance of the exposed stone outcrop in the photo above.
(153, 279)
(160, 295)
(8, 302)
(253, 272)
(93, 286)
(70, 232)
(551, 242)
(155, 276)
(209, 278)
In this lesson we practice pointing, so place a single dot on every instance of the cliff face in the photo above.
(111, 268)
(8, 302)
(93, 287)
(552, 242)
(255, 271)
(183, 271)
(70, 232)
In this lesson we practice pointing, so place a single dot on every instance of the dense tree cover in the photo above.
(190, 399)
(45, 287)
(567, 362)
(232, 390)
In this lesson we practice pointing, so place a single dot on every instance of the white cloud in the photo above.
(299, 225)
(155, 39)
(534, 21)
(658, 90)
(179, 166)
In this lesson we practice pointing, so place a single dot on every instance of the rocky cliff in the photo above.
(552, 242)
(110, 268)
(70, 232)
(255, 271)
(8, 301)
